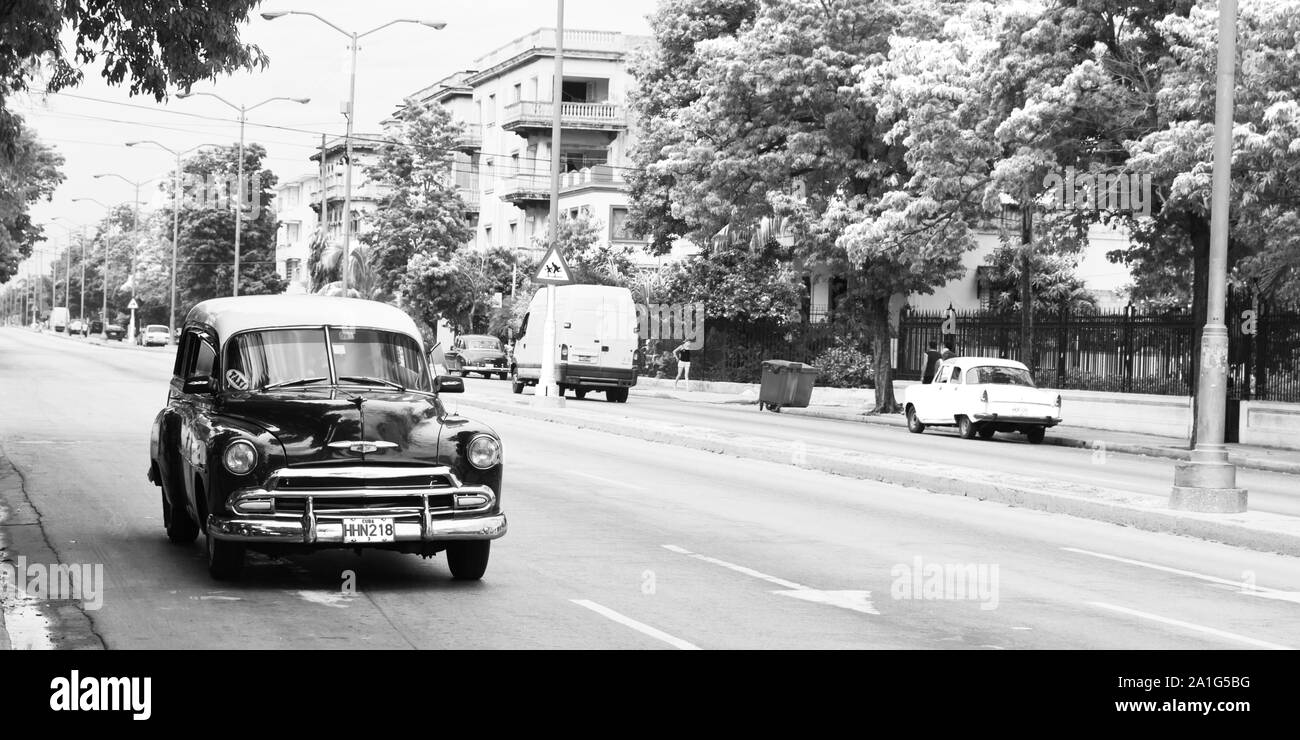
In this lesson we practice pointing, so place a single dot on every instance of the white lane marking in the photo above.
(1244, 587)
(644, 629)
(858, 601)
(338, 601)
(610, 481)
(738, 568)
(1190, 626)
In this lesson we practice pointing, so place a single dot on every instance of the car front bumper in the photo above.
(285, 512)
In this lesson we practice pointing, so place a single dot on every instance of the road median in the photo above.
(1261, 531)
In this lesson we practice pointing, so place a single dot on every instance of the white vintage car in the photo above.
(982, 396)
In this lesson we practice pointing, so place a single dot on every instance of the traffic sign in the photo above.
(554, 270)
(132, 305)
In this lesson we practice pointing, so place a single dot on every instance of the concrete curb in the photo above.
(1253, 530)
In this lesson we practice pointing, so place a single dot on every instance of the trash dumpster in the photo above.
(801, 385)
(779, 384)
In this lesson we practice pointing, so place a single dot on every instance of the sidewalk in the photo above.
(1066, 435)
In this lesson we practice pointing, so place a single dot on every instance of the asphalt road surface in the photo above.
(620, 544)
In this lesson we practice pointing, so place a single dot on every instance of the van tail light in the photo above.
(564, 351)
(984, 396)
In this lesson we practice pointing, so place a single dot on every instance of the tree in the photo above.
(422, 214)
(29, 171)
(207, 227)
(459, 289)
(809, 116)
(1054, 281)
(592, 259)
(152, 46)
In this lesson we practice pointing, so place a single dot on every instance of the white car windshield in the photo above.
(999, 375)
(483, 343)
(262, 360)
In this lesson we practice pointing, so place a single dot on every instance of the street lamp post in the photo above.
(135, 226)
(239, 181)
(1208, 483)
(176, 231)
(353, 37)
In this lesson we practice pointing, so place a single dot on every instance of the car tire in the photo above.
(468, 559)
(986, 432)
(501, 376)
(1035, 435)
(914, 424)
(225, 559)
(181, 529)
(965, 427)
(616, 395)
(579, 393)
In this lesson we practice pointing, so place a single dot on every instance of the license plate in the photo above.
(586, 358)
(369, 529)
(1019, 410)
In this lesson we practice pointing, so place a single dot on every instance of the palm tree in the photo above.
(362, 276)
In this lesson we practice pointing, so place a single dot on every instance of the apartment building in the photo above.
(298, 220)
(506, 99)
(366, 195)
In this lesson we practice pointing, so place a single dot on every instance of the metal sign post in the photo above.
(552, 272)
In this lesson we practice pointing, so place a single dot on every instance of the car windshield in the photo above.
(156, 328)
(483, 343)
(998, 375)
(301, 357)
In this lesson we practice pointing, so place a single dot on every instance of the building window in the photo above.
(491, 110)
(293, 270)
(487, 237)
(618, 225)
(514, 234)
(516, 92)
(292, 232)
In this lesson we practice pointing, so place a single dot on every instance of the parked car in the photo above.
(154, 334)
(114, 331)
(59, 318)
(298, 423)
(77, 326)
(982, 396)
(477, 353)
(595, 338)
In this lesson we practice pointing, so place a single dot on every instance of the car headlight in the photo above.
(484, 452)
(240, 457)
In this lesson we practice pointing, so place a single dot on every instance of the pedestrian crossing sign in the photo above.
(554, 270)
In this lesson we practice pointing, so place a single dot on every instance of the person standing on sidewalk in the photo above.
(683, 355)
(931, 361)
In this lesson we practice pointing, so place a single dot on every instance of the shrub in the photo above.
(843, 366)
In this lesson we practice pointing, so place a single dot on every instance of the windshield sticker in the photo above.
(237, 380)
(348, 333)
(340, 349)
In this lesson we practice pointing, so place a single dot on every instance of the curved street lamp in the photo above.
(239, 181)
(352, 98)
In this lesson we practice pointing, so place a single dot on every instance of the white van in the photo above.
(59, 318)
(595, 340)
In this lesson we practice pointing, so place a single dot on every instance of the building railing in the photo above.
(526, 186)
(574, 40)
(541, 113)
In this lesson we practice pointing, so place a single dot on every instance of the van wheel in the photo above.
(616, 395)
(1035, 435)
(579, 393)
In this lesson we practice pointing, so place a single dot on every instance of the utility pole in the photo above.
(324, 207)
(1209, 482)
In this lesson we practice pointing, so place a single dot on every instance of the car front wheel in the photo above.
(468, 560)
(987, 432)
(181, 529)
(225, 559)
(1035, 435)
(914, 424)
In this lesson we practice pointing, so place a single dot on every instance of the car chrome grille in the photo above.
(325, 482)
(363, 505)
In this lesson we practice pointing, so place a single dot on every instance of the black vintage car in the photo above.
(295, 423)
(478, 353)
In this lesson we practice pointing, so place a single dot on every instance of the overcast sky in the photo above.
(91, 123)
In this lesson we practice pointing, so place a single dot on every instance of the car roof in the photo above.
(477, 336)
(984, 362)
(232, 315)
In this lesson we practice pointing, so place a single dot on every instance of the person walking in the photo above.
(683, 355)
(931, 361)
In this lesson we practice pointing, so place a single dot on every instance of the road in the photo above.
(620, 544)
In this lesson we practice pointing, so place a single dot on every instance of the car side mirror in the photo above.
(449, 384)
(197, 384)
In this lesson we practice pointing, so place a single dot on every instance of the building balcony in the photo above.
(526, 115)
(541, 42)
(526, 188)
(335, 192)
(471, 139)
(471, 198)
